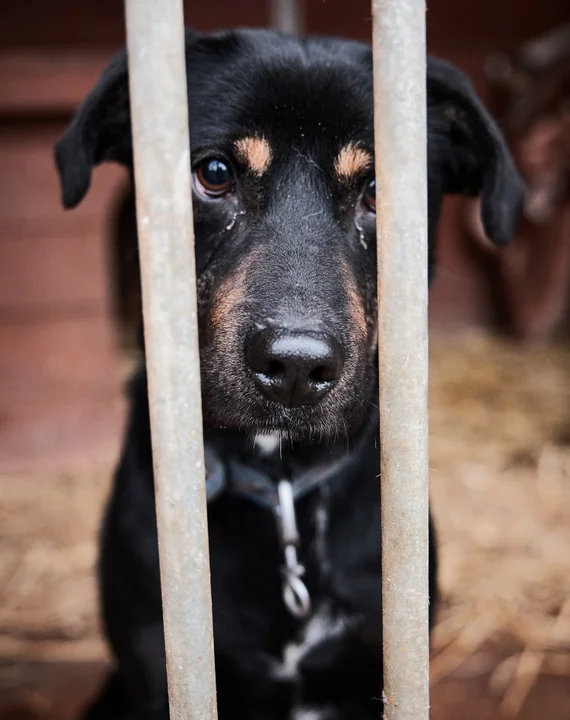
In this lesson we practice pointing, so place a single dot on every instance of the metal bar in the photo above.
(287, 16)
(159, 116)
(399, 49)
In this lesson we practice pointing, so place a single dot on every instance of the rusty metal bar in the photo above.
(159, 116)
(287, 16)
(401, 188)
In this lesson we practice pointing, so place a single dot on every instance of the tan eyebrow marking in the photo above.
(351, 161)
(254, 152)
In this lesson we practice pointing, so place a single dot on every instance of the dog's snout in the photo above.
(294, 367)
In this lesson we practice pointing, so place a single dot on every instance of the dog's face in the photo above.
(284, 208)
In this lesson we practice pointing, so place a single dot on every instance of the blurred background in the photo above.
(500, 362)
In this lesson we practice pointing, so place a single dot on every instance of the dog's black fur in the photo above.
(287, 248)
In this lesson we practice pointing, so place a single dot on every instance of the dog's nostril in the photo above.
(294, 368)
(322, 374)
(275, 369)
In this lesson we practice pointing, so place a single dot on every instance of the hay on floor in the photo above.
(48, 547)
(500, 485)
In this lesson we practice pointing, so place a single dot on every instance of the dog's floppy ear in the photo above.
(99, 131)
(469, 148)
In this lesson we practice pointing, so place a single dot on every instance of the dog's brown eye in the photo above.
(370, 196)
(214, 177)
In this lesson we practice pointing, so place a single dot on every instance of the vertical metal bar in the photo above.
(401, 175)
(159, 116)
(287, 16)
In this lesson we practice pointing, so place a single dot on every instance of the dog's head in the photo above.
(284, 208)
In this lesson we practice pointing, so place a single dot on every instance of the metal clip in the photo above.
(295, 593)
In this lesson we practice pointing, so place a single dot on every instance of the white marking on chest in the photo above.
(267, 444)
(321, 529)
(307, 713)
(320, 627)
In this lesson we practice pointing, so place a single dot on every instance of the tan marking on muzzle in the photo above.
(228, 299)
(255, 152)
(356, 307)
(351, 161)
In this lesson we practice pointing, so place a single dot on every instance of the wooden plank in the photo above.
(47, 272)
(60, 430)
(60, 391)
(73, 355)
(29, 186)
(50, 81)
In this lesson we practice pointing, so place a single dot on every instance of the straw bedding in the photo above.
(500, 483)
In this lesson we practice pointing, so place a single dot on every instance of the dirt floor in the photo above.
(500, 483)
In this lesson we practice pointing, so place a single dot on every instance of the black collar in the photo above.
(242, 480)
(259, 485)
(279, 490)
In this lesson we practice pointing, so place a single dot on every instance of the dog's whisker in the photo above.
(310, 215)
(306, 158)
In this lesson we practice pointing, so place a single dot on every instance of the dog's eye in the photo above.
(370, 196)
(213, 177)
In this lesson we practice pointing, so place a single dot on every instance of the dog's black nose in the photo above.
(294, 368)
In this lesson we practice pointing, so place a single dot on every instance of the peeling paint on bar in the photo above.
(401, 173)
(157, 70)
(287, 16)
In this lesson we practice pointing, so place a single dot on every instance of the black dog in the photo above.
(284, 203)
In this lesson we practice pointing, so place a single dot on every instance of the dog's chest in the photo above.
(337, 531)
(326, 623)
(306, 655)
